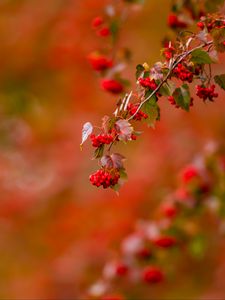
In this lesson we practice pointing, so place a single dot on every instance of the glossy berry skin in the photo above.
(206, 93)
(101, 139)
(165, 241)
(99, 62)
(132, 108)
(104, 178)
(152, 275)
(111, 85)
(183, 73)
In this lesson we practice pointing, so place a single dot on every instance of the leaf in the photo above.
(152, 109)
(115, 161)
(182, 97)
(124, 130)
(167, 88)
(199, 56)
(139, 71)
(86, 131)
(99, 152)
(220, 80)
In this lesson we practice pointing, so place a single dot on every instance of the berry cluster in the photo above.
(168, 52)
(211, 24)
(132, 108)
(104, 178)
(101, 139)
(183, 73)
(174, 22)
(206, 93)
(148, 83)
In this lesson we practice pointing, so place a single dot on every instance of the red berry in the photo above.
(152, 275)
(132, 108)
(183, 73)
(174, 22)
(169, 210)
(99, 62)
(148, 83)
(104, 32)
(165, 241)
(96, 22)
(101, 139)
(201, 25)
(189, 173)
(121, 270)
(112, 86)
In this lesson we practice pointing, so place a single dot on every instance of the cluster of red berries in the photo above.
(112, 85)
(132, 108)
(104, 178)
(148, 83)
(174, 22)
(212, 24)
(169, 52)
(99, 62)
(98, 24)
(183, 73)
(206, 93)
(101, 139)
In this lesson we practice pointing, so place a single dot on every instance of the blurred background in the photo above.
(56, 230)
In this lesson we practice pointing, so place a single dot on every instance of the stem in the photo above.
(176, 62)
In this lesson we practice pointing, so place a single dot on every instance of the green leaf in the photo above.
(139, 70)
(220, 80)
(99, 152)
(182, 97)
(167, 89)
(199, 56)
(152, 109)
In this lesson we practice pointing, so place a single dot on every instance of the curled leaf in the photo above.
(86, 131)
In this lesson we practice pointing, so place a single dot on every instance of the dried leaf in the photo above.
(86, 131)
